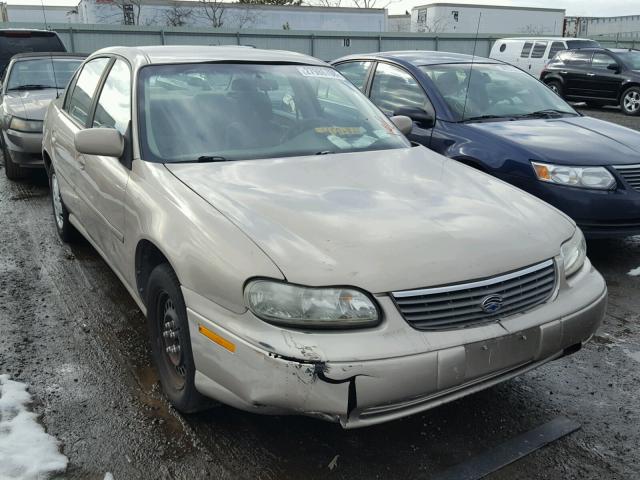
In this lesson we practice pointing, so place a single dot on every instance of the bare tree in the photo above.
(373, 3)
(128, 11)
(178, 16)
(437, 25)
(213, 11)
(323, 3)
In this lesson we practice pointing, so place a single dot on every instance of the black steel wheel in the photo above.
(171, 341)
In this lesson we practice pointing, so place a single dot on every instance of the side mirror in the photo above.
(614, 67)
(419, 115)
(99, 141)
(402, 123)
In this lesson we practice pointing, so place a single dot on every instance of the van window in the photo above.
(538, 49)
(23, 41)
(503, 47)
(526, 49)
(555, 48)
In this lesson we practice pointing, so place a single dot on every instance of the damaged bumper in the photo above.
(326, 376)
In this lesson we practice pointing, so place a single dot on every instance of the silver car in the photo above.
(292, 251)
(30, 82)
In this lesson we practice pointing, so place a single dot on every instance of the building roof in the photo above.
(423, 57)
(168, 54)
(498, 7)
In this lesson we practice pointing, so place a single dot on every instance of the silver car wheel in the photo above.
(58, 212)
(632, 101)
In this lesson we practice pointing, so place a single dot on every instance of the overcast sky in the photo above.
(592, 8)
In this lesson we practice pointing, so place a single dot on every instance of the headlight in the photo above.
(23, 125)
(296, 306)
(574, 252)
(585, 177)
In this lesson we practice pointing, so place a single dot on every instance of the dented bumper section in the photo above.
(252, 376)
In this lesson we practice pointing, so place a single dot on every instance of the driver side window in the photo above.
(394, 88)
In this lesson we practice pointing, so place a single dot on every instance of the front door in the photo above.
(392, 89)
(104, 179)
(603, 82)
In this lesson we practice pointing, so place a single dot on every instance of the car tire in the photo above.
(66, 231)
(556, 87)
(12, 170)
(630, 101)
(171, 341)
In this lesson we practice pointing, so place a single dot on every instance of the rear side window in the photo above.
(114, 105)
(556, 47)
(526, 49)
(579, 59)
(355, 72)
(538, 49)
(79, 103)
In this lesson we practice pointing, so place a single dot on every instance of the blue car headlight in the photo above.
(598, 178)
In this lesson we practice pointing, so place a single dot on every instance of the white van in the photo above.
(531, 54)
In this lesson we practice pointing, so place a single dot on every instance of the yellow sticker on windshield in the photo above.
(341, 131)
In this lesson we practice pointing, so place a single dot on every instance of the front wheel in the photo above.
(630, 101)
(171, 342)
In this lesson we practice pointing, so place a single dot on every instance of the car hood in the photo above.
(568, 141)
(382, 221)
(29, 104)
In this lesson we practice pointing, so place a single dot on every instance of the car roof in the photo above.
(168, 54)
(543, 38)
(19, 56)
(422, 57)
(26, 30)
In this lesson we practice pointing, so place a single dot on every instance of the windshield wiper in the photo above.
(211, 158)
(485, 117)
(31, 87)
(547, 113)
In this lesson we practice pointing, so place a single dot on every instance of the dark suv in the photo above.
(598, 76)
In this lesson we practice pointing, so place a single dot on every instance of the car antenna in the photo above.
(53, 69)
(473, 58)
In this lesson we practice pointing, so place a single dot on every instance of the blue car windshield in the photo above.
(492, 90)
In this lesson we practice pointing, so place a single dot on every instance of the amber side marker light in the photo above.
(542, 171)
(214, 337)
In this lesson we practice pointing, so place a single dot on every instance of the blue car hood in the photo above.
(569, 141)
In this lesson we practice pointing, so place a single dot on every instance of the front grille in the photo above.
(459, 305)
(631, 175)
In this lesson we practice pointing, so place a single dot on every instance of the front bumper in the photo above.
(598, 213)
(357, 389)
(25, 148)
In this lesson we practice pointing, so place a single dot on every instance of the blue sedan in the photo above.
(496, 118)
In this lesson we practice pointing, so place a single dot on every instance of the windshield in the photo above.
(217, 112)
(42, 73)
(631, 59)
(494, 90)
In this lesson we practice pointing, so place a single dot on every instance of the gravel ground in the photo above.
(69, 329)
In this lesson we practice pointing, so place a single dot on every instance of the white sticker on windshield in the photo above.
(319, 72)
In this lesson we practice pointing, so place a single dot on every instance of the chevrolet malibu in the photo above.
(292, 251)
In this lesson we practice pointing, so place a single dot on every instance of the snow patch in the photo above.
(108, 476)
(635, 272)
(26, 450)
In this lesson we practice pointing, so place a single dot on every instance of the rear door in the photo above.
(103, 180)
(602, 82)
(73, 117)
(578, 64)
(394, 88)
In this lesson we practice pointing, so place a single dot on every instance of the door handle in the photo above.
(563, 72)
(81, 162)
(591, 74)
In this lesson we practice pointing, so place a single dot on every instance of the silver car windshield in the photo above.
(40, 73)
(491, 90)
(218, 112)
